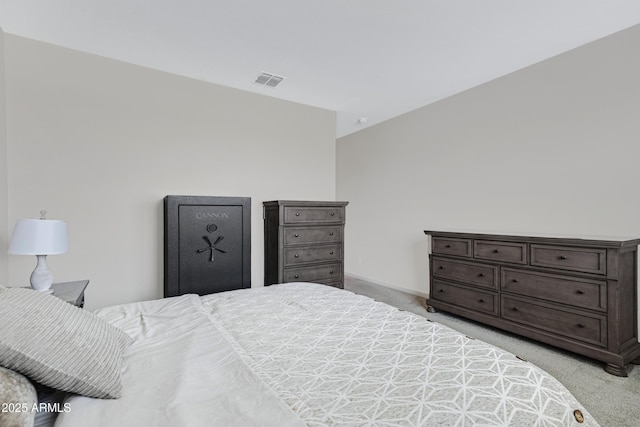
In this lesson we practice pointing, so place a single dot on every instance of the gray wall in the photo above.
(99, 143)
(4, 210)
(552, 148)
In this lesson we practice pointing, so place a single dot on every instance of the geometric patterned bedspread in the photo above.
(341, 359)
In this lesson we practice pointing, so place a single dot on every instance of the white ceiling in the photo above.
(361, 58)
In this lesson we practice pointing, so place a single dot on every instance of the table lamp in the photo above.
(39, 237)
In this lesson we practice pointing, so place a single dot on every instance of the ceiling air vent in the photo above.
(270, 80)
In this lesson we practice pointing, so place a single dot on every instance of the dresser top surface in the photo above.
(303, 203)
(574, 239)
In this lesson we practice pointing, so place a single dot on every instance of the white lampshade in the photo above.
(39, 237)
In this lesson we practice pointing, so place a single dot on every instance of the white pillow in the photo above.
(60, 345)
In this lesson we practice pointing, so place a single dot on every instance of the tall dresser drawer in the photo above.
(451, 246)
(585, 260)
(326, 272)
(468, 272)
(300, 235)
(300, 215)
(339, 285)
(513, 252)
(477, 300)
(591, 294)
(587, 327)
(304, 254)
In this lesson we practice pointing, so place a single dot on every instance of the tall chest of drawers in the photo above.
(580, 294)
(304, 242)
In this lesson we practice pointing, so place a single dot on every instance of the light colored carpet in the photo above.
(613, 401)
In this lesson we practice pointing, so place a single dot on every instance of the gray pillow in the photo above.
(18, 397)
(60, 345)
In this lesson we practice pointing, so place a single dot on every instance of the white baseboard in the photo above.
(387, 285)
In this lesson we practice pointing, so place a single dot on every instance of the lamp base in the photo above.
(41, 278)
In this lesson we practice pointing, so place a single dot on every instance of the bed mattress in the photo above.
(307, 354)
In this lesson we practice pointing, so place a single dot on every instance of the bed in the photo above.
(306, 354)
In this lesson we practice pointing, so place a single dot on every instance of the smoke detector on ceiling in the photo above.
(267, 79)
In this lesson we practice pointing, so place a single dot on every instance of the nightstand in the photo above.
(71, 292)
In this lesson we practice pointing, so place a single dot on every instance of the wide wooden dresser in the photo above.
(576, 293)
(304, 242)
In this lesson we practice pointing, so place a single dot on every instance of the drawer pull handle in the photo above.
(562, 257)
(331, 234)
(296, 256)
(296, 235)
(297, 213)
(514, 309)
(481, 275)
(296, 276)
(447, 246)
(440, 290)
(333, 214)
(579, 292)
(580, 325)
(331, 253)
(515, 280)
(441, 267)
(331, 272)
(496, 251)
(481, 300)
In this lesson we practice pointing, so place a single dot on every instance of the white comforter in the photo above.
(300, 353)
(179, 371)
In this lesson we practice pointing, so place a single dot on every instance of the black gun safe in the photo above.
(207, 244)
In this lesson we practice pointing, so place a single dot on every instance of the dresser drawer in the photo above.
(299, 235)
(590, 328)
(477, 300)
(300, 215)
(313, 273)
(451, 246)
(304, 254)
(584, 293)
(585, 260)
(338, 284)
(467, 272)
(500, 251)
